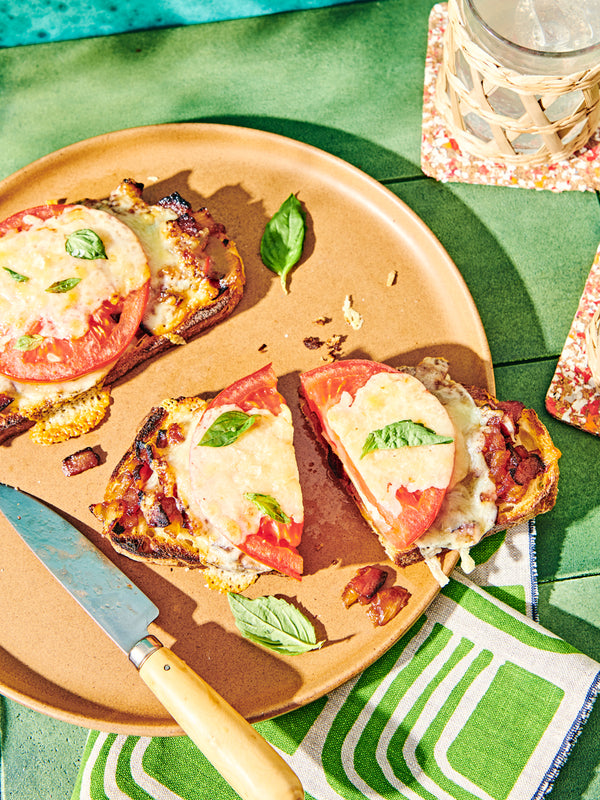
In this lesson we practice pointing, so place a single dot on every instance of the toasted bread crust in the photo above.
(191, 233)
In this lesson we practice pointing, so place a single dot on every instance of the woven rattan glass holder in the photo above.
(515, 117)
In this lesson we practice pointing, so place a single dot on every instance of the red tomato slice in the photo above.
(111, 329)
(19, 222)
(323, 387)
(272, 549)
(274, 543)
(258, 390)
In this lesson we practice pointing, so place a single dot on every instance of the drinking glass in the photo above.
(520, 79)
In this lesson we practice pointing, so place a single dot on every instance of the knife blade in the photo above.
(246, 760)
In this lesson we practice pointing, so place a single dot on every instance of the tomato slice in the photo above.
(111, 328)
(273, 543)
(20, 222)
(258, 390)
(271, 547)
(323, 388)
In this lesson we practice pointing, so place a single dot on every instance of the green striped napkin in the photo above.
(476, 701)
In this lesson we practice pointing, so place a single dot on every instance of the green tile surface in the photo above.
(524, 254)
(571, 610)
(267, 72)
(347, 79)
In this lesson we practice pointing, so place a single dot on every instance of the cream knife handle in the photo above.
(247, 761)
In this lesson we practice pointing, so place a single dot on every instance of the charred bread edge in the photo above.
(130, 546)
(506, 518)
(543, 489)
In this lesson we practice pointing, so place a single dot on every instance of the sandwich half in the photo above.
(432, 465)
(211, 485)
(90, 290)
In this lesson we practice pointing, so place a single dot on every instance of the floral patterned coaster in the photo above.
(442, 159)
(572, 396)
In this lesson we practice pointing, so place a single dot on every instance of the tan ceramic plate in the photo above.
(53, 658)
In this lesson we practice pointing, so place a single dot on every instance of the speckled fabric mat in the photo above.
(573, 396)
(442, 159)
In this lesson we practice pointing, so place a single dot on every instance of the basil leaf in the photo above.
(273, 623)
(29, 342)
(85, 243)
(227, 428)
(60, 287)
(404, 433)
(16, 276)
(269, 506)
(283, 238)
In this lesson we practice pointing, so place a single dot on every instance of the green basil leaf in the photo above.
(16, 276)
(269, 506)
(404, 433)
(283, 239)
(273, 623)
(85, 243)
(29, 342)
(227, 428)
(60, 287)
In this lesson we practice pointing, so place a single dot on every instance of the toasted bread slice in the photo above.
(505, 471)
(176, 501)
(197, 279)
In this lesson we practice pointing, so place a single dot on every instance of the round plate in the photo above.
(53, 658)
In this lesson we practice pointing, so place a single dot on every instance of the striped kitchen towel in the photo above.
(476, 702)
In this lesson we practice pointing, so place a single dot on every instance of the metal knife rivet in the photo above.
(166, 667)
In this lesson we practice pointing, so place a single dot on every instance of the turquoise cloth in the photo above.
(49, 21)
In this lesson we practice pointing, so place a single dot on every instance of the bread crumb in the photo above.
(322, 320)
(352, 317)
(334, 347)
(313, 342)
(391, 278)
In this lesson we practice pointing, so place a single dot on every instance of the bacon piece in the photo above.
(80, 461)
(512, 408)
(528, 469)
(5, 401)
(386, 604)
(362, 587)
(175, 434)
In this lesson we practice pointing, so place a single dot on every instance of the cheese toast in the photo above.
(191, 278)
(505, 468)
(211, 485)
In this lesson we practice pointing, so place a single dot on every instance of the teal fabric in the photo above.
(47, 21)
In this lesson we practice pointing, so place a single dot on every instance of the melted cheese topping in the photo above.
(261, 460)
(386, 398)
(31, 398)
(469, 509)
(176, 285)
(214, 548)
(39, 254)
